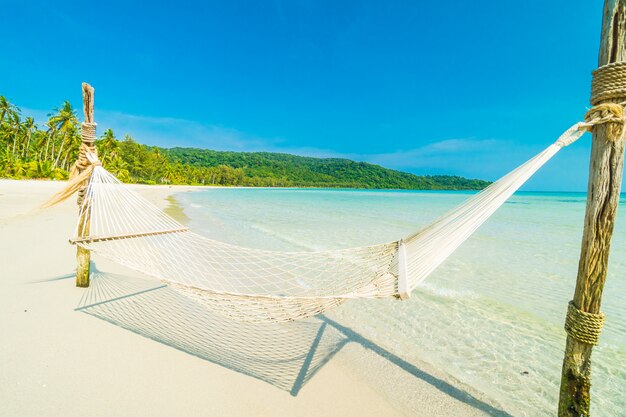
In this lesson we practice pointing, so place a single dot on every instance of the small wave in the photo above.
(282, 237)
(447, 292)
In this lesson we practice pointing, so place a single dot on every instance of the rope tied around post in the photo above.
(608, 92)
(608, 95)
(611, 114)
(583, 326)
(608, 83)
(87, 156)
(82, 168)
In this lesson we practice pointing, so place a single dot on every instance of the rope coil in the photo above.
(87, 156)
(608, 92)
(583, 326)
(608, 83)
(81, 170)
(88, 132)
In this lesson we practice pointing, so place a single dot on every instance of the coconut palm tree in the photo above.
(108, 146)
(44, 169)
(6, 108)
(19, 169)
(50, 135)
(41, 139)
(30, 127)
(65, 122)
(4, 156)
(119, 168)
(16, 128)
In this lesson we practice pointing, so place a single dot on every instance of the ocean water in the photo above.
(491, 316)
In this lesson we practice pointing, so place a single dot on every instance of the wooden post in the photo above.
(83, 256)
(605, 178)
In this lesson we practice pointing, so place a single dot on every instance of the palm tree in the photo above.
(29, 126)
(19, 169)
(17, 125)
(119, 168)
(5, 157)
(50, 134)
(44, 169)
(65, 121)
(41, 140)
(108, 146)
(9, 121)
(6, 108)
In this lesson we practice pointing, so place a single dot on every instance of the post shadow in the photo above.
(57, 278)
(438, 383)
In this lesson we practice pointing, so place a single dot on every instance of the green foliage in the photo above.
(283, 170)
(26, 151)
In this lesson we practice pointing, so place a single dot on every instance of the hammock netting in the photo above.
(254, 285)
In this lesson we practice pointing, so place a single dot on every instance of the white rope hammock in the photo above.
(259, 285)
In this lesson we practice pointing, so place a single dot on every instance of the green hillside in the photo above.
(278, 169)
(48, 150)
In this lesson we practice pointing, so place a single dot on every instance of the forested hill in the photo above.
(31, 149)
(280, 169)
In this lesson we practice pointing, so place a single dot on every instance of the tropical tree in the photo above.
(29, 128)
(108, 147)
(6, 108)
(44, 169)
(118, 167)
(15, 131)
(65, 122)
(47, 152)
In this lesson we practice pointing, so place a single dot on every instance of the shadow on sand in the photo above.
(286, 355)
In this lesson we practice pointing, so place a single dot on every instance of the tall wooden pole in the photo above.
(83, 256)
(605, 179)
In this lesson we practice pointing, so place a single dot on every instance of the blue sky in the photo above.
(468, 88)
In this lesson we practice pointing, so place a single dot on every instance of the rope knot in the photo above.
(608, 88)
(583, 326)
(611, 114)
(87, 156)
(605, 113)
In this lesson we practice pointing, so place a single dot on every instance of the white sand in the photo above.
(55, 361)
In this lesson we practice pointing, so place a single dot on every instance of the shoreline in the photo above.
(188, 187)
(54, 350)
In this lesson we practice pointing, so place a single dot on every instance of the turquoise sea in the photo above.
(491, 316)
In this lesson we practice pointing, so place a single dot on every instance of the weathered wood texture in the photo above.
(605, 178)
(83, 256)
(88, 95)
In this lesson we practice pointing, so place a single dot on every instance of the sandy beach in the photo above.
(57, 361)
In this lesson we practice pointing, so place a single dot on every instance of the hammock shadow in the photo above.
(286, 355)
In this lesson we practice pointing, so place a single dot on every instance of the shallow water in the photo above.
(491, 315)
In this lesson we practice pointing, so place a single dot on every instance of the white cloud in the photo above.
(438, 155)
(170, 132)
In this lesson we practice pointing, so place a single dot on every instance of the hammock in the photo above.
(256, 285)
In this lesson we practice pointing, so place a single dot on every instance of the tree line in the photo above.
(48, 150)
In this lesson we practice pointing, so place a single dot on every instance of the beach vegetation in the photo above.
(48, 150)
